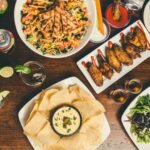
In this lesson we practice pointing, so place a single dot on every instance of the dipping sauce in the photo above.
(66, 120)
(97, 36)
(124, 16)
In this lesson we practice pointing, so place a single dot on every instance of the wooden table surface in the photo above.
(11, 135)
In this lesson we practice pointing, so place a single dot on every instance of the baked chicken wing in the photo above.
(105, 68)
(116, 10)
(122, 56)
(137, 38)
(131, 49)
(113, 60)
(95, 73)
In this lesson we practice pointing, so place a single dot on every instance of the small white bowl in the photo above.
(92, 17)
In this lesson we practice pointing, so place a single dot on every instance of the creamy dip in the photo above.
(66, 120)
(97, 36)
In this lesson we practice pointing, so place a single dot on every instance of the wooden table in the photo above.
(11, 135)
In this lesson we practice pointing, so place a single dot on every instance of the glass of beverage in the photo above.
(133, 86)
(119, 95)
(134, 5)
(7, 41)
(37, 75)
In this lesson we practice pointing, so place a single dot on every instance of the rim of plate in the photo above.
(74, 51)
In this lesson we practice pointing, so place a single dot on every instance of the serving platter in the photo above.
(127, 124)
(25, 111)
(91, 15)
(125, 69)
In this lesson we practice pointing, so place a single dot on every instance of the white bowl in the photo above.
(92, 17)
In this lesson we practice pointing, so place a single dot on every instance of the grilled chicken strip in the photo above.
(105, 68)
(131, 49)
(122, 56)
(95, 73)
(113, 60)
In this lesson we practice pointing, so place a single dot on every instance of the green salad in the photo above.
(139, 116)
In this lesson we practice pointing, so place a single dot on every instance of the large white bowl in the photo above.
(92, 17)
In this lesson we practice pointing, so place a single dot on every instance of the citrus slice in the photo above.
(6, 72)
(3, 94)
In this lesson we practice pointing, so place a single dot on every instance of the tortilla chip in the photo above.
(36, 123)
(88, 109)
(82, 94)
(75, 142)
(47, 136)
(59, 98)
(32, 112)
(45, 99)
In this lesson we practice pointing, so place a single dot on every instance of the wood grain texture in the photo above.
(11, 135)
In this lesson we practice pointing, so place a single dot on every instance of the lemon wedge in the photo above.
(6, 72)
(3, 94)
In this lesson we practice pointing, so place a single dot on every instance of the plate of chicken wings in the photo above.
(116, 57)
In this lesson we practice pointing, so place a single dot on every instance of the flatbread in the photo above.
(47, 136)
(59, 98)
(89, 108)
(35, 124)
(45, 97)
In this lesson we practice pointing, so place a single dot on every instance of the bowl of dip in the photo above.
(97, 36)
(66, 120)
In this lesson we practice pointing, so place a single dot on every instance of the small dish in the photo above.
(97, 37)
(125, 17)
(127, 124)
(66, 120)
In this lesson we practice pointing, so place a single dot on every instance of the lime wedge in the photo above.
(3, 94)
(6, 72)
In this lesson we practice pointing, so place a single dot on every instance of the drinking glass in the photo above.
(119, 95)
(133, 86)
(37, 75)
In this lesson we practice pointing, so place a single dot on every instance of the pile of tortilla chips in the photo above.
(38, 126)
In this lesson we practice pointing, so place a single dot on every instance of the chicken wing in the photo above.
(113, 60)
(141, 36)
(95, 73)
(116, 10)
(122, 56)
(105, 68)
(137, 38)
(131, 49)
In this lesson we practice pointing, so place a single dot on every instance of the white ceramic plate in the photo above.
(25, 111)
(92, 17)
(127, 125)
(125, 69)
(146, 16)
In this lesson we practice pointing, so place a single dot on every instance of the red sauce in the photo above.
(124, 16)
